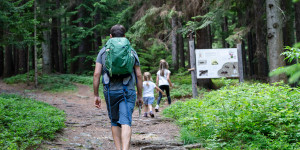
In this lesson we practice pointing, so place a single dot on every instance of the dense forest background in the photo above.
(65, 36)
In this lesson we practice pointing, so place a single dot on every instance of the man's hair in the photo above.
(117, 30)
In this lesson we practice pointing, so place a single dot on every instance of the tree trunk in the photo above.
(81, 48)
(225, 32)
(66, 47)
(1, 54)
(46, 53)
(32, 58)
(22, 61)
(261, 41)
(188, 57)
(251, 52)
(74, 51)
(47, 67)
(8, 62)
(181, 46)
(275, 38)
(35, 51)
(59, 46)
(54, 45)
(97, 34)
(28, 64)
(288, 23)
(174, 43)
(16, 60)
(297, 20)
(1, 61)
(244, 58)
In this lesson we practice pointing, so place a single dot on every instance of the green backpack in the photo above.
(119, 56)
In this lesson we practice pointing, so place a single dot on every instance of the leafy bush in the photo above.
(24, 122)
(248, 116)
(218, 83)
(293, 71)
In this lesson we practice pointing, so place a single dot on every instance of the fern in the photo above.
(293, 71)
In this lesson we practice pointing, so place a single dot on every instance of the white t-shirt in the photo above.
(163, 79)
(148, 89)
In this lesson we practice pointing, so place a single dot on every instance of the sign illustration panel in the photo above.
(217, 63)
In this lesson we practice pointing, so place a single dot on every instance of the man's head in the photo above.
(117, 31)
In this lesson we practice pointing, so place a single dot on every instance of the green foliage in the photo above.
(52, 82)
(221, 82)
(293, 71)
(152, 55)
(16, 18)
(24, 122)
(291, 53)
(248, 116)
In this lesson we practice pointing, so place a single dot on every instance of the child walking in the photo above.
(164, 82)
(148, 94)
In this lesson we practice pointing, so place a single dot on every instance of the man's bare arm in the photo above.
(139, 85)
(96, 82)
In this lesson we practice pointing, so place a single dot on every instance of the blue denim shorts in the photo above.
(148, 100)
(118, 113)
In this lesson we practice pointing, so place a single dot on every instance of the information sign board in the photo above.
(217, 63)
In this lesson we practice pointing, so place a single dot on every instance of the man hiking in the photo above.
(119, 66)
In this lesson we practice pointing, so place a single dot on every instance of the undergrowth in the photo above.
(53, 82)
(24, 122)
(248, 116)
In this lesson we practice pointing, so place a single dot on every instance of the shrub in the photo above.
(257, 116)
(24, 122)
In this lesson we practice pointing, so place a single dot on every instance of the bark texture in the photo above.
(1, 61)
(275, 38)
(181, 46)
(288, 23)
(174, 42)
(261, 41)
(8, 62)
(46, 53)
(297, 20)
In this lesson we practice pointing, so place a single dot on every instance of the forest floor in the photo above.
(89, 128)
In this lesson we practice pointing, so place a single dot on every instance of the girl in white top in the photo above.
(163, 81)
(148, 93)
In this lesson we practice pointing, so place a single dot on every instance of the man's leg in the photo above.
(126, 135)
(116, 133)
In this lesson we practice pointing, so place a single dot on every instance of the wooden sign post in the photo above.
(193, 64)
(240, 62)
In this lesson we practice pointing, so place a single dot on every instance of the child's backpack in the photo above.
(119, 56)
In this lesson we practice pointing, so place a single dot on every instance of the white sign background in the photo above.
(217, 63)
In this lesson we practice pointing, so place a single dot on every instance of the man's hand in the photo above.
(139, 101)
(97, 102)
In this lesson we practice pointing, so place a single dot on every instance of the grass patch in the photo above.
(24, 122)
(247, 116)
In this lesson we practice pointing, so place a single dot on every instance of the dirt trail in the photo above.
(89, 128)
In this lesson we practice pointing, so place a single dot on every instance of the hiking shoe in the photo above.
(145, 115)
(151, 114)
(156, 108)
